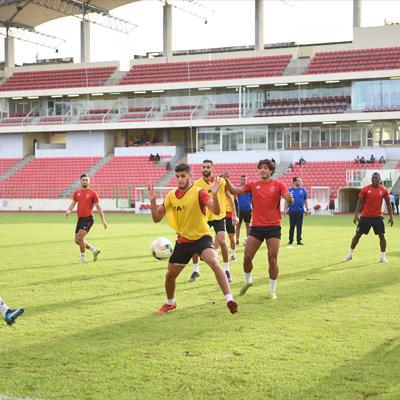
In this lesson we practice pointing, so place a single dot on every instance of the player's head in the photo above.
(375, 179)
(243, 180)
(297, 181)
(183, 174)
(266, 167)
(85, 180)
(207, 168)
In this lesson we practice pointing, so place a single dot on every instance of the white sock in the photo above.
(247, 277)
(83, 255)
(233, 252)
(272, 285)
(351, 252)
(226, 266)
(382, 254)
(3, 307)
(93, 249)
(170, 301)
(229, 297)
(196, 267)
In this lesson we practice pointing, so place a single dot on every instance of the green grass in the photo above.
(90, 331)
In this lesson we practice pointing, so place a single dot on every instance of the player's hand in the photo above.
(226, 174)
(307, 212)
(289, 197)
(151, 194)
(67, 213)
(215, 187)
(355, 220)
(105, 224)
(390, 222)
(284, 213)
(235, 220)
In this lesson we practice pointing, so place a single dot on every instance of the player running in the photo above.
(266, 196)
(186, 210)
(244, 205)
(86, 199)
(10, 315)
(370, 202)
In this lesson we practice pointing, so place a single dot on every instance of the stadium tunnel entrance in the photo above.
(347, 199)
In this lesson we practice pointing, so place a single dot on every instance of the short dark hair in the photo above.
(243, 176)
(268, 163)
(295, 178)
(183, 168)
(208, 161)
(83, 176)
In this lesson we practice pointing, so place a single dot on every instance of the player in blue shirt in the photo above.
(296, 210)
(244, 205)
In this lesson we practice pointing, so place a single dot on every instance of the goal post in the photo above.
(320, 199)
(141, 201)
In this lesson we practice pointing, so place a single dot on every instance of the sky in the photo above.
(229, 23)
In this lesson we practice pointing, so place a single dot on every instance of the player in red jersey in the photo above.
(266, 197)
(86, 199)
(370, 202)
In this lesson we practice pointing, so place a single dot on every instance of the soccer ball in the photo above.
(161, 248)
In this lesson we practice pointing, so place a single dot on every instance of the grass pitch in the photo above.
(90, 331)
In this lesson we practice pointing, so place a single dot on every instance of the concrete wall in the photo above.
(145, 151)
(11, 145)
(233, 156)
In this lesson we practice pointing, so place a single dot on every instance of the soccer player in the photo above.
(215, 220)
(186, 210)
(10, 315)
(266, 196)
(370, 202)
(296, 210)
(244, 202)
(86, 199)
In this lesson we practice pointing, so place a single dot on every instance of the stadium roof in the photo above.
(31, 13)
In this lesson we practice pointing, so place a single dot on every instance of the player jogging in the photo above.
(216, 220)
(186, 210)
(244, 205)
(10, 315)
(370, 202)
(266, 195)
(86, 199)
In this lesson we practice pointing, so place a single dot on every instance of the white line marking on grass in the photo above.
(4, 397)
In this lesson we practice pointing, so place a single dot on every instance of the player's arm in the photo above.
(232, 189)
(213, 204)
(359, 206)
(232, 205)
(307, 208)
(157, 212)
(285, 208)
(70, 208)
(288, 198)
(390, 210)
(101, 213)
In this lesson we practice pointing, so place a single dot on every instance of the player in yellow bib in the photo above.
(186, 209)
(215, 220)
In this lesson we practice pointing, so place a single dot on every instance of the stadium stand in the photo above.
(8, 163)
(249, 67)
(355, 60)
(51, 79)
(45, 177)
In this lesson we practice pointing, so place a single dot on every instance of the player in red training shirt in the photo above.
(86, 199)
(266, 197)
(370, 202)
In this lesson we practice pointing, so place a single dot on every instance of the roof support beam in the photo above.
(9, 52)
(85, 41)
(356, 13)
(259, 25)
(167, 31)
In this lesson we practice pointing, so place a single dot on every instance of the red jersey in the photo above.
(203, 199)
(86, 200)
(266, 198)
(373, 197)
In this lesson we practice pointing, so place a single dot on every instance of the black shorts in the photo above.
(366, 223)
(265, 232)
(218, 225)
(245, 215)
(183, 252)
(84, 223)
(229, 226)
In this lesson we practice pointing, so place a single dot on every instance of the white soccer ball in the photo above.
(161, 248)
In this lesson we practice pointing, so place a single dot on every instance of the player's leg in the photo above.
(379, 229)
(273, 270)
(252, 245)
(221, 239)
(80, 241)
(299, 227)
(353, 245)
(210, 257)
(9, 315)
(196, 269)
(172, 273)
(230, 229)
(238, 226)
(292, 219)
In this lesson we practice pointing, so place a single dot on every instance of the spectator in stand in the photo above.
(392, 201)
(357, 160)
(151, 158)
(301, 161)
(362, 160)
(371, 159)
(168, 166)
(273, 161)
(157, 158)
(396, 202)
(154, 139)
(290, 168)
(382, 160)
